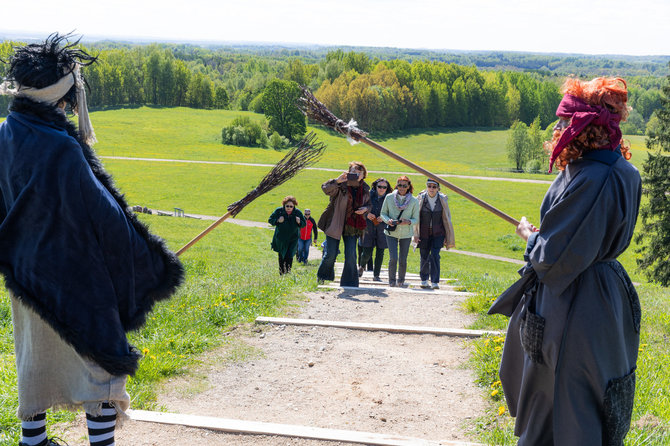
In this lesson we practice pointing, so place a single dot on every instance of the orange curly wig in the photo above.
(610, 92)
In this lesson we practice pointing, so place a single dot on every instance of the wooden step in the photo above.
(285, 430)
(408, 329)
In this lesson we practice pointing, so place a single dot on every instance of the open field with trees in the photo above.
(447, 112)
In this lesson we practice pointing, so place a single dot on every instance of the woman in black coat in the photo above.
(287, 220)
(374, 233)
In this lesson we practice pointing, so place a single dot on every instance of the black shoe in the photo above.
(376, 279)
(48, 442)
(361, 270)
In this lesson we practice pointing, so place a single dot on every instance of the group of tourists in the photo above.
(377, 218)
(381, 219)
(82, 270)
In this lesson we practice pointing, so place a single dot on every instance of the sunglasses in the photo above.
(382, 187)
(288, 206)
(404, 186)
(431, 186)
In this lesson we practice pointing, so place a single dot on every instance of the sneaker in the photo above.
(376, 279)
(435, 286)
(361, 270)
(425, 284)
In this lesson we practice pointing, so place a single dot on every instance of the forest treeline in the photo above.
(381, 92)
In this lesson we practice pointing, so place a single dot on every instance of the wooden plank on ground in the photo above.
(408, 329)
(385, 287)
(285, 430)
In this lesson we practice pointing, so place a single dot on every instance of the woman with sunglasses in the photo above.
(344, 218)
(400, 211)
(433, 231)
(374, 234)
(287, 220)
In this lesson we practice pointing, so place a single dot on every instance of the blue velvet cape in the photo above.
(70, 248)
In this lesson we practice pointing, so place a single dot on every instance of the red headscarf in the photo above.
(582, 114)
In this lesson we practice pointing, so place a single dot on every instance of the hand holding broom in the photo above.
(305, 153)
(318, 112)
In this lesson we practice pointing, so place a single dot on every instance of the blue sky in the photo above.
(634, 27)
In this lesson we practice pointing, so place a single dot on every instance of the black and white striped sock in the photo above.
(101, 429)
(34, 431)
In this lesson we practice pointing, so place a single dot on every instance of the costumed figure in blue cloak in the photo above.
(568, 365)
(81, 270)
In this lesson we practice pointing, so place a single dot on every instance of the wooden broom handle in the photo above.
(440, 180)
(204, 233)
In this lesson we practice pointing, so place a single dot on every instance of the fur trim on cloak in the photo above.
(173, 272)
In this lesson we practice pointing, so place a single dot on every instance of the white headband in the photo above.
(53, 93)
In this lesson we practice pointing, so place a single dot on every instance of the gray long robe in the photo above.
(572, 342)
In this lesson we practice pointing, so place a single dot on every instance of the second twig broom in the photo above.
(305, 153)
(318, 112)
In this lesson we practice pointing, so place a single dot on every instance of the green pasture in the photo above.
(184, 133)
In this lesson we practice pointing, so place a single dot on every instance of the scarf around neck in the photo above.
(355, 197)
(401, 203)
(581, 115)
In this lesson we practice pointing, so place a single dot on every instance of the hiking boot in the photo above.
(435, 286)
(425, 284)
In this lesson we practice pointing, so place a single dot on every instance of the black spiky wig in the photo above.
(39, 65)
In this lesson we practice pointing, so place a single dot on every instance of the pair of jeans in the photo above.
(430, 258)
(285, 264)
(330, 251)
(397, 260)
(303, 250)
(366, 256)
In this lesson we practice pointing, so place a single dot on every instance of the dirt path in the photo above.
(410, 385)
(326, 169)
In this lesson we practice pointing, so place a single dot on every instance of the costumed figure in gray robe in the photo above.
(81, 269)
(568, 365)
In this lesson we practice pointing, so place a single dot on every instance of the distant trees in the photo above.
(525, 146)
(655, 234)
(383, 89)
(279, 105)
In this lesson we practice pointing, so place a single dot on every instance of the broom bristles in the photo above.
(317, 111)
(305, 153)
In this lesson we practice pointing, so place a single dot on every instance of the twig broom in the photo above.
(318, 112)
(305, 153)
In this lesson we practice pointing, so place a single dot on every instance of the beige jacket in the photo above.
(449, 239)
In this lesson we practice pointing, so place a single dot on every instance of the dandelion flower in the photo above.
(501, 410)
(495, 392)
(153, 357)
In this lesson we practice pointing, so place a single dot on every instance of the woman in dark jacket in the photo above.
(568, 364)
(374, 233)
(287, 220)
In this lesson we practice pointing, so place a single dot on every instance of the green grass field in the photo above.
(228, 288)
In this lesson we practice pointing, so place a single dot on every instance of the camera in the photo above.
(352, 176)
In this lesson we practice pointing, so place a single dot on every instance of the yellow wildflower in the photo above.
(501, 410)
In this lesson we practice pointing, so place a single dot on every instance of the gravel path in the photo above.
(403, 384)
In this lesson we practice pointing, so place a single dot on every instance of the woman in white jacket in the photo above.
(400, 211)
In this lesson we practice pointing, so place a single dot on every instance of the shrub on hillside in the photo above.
(533, 166)
(278, 142)
(245, 132)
